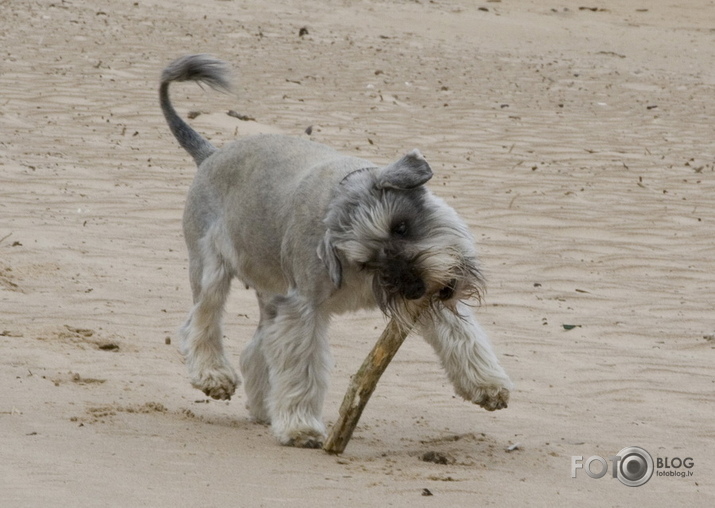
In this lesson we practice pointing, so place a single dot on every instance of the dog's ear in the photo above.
(407, 173)
(327, 254)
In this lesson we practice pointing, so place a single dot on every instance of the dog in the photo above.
(316, 233)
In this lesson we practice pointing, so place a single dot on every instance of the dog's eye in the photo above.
(447, 291)
(400, 229)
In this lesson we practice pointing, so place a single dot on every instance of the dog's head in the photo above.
(383, 221)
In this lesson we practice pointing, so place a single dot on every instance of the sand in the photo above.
(578, 144)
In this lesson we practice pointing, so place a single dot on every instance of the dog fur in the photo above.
(316, 233)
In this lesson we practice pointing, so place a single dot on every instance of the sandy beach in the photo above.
(576, 139)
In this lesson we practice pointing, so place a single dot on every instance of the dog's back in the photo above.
(273, 184)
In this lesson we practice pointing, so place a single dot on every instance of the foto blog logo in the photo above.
(633, 466)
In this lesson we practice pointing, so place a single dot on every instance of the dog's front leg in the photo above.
(296, 350)
(467, 357)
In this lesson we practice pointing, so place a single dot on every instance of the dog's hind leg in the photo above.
(254, 367)
(295, 346)
(467, 356)
(202, 340)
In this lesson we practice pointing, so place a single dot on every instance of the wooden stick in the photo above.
(363, 383)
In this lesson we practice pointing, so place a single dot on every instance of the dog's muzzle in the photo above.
(414, 289)
(400, 278)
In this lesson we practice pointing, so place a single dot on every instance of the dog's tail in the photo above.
(202, 69)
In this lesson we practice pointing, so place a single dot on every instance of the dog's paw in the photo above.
(258, 414)
(305, 440)
(491, 397)
(302, 434)
(218, 383)
(313, 442)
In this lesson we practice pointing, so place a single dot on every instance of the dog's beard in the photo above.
(445, 288)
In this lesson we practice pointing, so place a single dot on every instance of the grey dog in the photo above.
(316, 233)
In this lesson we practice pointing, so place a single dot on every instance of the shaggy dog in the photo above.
(316, 233)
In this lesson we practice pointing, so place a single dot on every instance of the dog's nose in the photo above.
(414, 289)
